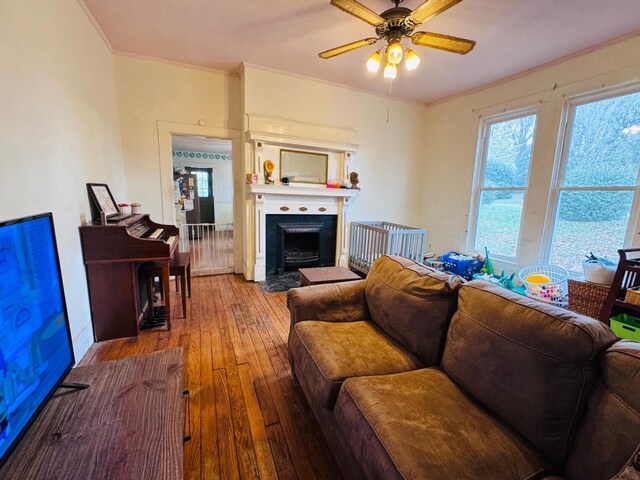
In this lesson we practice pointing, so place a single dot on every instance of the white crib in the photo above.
(370, 240)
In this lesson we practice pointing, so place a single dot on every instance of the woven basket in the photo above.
(587, 298)
(632, 295)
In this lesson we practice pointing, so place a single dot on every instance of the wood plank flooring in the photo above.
(248, 418)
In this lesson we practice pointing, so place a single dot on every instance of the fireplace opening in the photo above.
(299, 241)
(299, 247)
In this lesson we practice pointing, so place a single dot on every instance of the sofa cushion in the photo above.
(326, 353)
(610, 434)
(421, 425)
(412, 303)
(532, 364)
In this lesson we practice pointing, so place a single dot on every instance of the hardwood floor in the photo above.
(248, 417)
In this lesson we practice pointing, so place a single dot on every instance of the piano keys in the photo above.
(114, 255)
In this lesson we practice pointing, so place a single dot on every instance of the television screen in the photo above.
(35, 343)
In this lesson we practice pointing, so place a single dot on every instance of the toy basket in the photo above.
(626, 326)
(632, 296)
(460, 264)
(554, 291)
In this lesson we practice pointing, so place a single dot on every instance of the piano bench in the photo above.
(180, 267)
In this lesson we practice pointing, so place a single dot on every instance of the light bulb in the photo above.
(373, 64)
(395, 52)
(411, 60)
(390, 71)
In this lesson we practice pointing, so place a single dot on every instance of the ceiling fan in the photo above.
(393, 25)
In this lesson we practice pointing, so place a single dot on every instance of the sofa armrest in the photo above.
(335, 302)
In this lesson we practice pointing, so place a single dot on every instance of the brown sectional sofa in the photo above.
(412, 374)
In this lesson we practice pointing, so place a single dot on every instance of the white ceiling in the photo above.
(200, 144)
(513, 36)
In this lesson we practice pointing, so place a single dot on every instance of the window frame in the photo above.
(558, 176)
(482, 149)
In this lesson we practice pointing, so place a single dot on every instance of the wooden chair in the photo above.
(627, 276)
(180, 267)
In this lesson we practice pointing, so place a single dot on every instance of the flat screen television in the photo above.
(35, 342)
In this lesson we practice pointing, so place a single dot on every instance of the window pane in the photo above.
(604, 148)
(499, 221)
(594, 221)
(203, 184)
(509, 152)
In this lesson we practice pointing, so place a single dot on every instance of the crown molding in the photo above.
(95, 24)
(539, 68)
(191, 66)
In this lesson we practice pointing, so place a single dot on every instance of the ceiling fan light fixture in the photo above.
(395, 53)
(411, 60)
(390, 71)
(373, 64)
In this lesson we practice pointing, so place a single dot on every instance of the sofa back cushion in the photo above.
(532, 364)
(412, 303)
(610, 435)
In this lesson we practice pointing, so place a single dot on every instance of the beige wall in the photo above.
(151, 91)
(59, 130)
(389, 154)
(452, 134)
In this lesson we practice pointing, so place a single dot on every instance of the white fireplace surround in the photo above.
(265, 134)
(280, 200)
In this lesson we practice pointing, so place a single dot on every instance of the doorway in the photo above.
(203, 201)
(204, 181)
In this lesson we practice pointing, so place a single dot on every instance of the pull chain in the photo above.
(389, 99)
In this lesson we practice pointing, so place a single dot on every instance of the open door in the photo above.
(204, 178)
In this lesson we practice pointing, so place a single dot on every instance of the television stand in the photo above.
(74, 386)
(128, 425)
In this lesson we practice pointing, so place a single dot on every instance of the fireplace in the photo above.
(299, 241)
(298, 246)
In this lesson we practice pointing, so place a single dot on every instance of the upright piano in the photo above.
(114, 255)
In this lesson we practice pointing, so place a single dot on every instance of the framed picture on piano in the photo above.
(102, 201)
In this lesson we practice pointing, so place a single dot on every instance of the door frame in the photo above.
(165, 131)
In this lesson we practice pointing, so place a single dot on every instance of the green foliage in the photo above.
(592, 206)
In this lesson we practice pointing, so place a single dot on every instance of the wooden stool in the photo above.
(180, 267)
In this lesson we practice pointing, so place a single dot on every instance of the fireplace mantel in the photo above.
(261, 189)
(265, 138)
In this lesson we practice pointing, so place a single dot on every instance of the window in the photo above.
(501, 182)
(597, 180)
(202, 179)
(203, 183)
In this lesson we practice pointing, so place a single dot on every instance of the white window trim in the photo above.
(478, 177)
(559, 169)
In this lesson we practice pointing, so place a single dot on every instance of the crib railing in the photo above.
(370, 240)
(210, 246)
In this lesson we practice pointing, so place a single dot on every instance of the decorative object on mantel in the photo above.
(268, 171)
(354, 181)
(252, 178)
(394, 24)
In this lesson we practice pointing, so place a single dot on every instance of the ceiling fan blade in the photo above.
(347, 48)
(358, 10)
(430, 9)
(443, 42)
